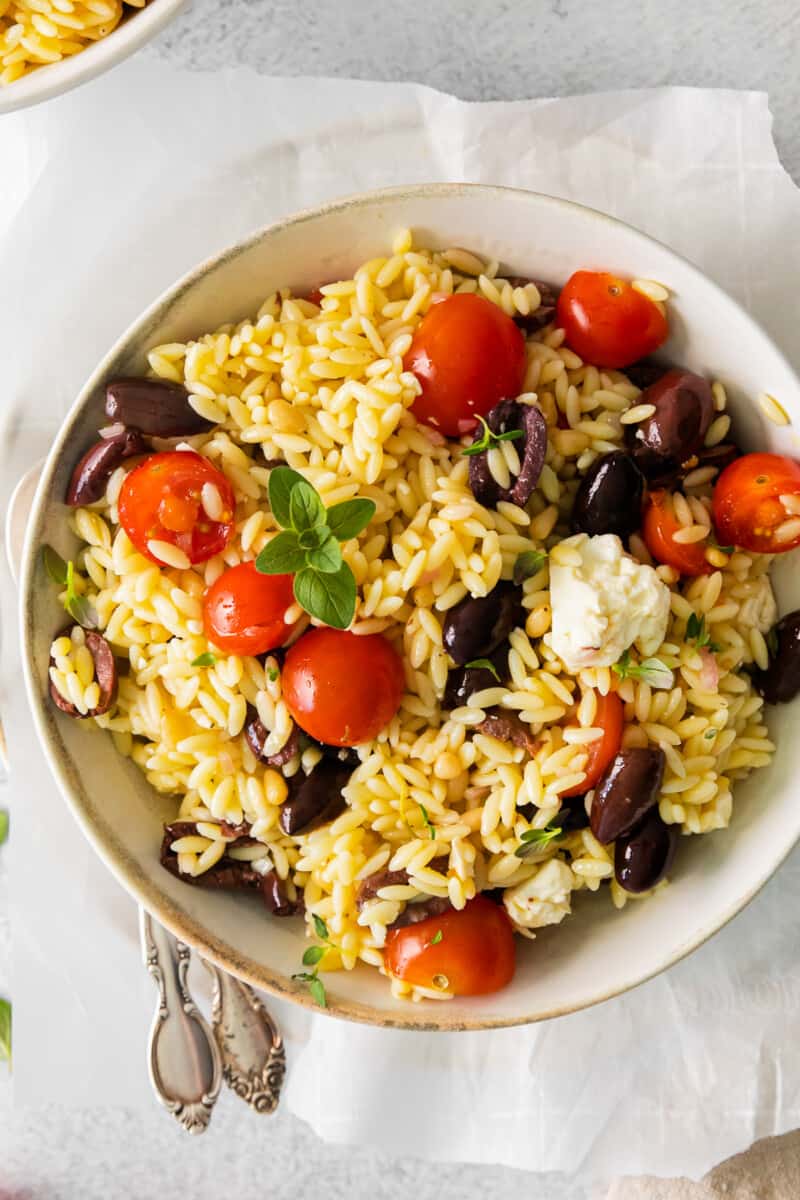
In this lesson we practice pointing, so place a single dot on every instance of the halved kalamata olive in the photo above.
(315, 799)
(643, 858)
(153, 406)
(609, 498)
(273, 892)
(105, 671)
(478, 624)
(684, 410)
(531, 449)
(89, 479)
(463, 681)
(256, 733)
(781, 680)
(509, 727)
(228, 874)
(572, 815)
(644, 372)
(420, 910)
(369, 887)
(628, 788)
(533, 322)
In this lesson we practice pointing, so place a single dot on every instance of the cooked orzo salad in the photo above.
(438, 601)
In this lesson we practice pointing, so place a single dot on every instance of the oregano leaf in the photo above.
(346, 520)
(282, 481)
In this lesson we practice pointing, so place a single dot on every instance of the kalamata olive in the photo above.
(572, 814)
(315, 799)
(256, 733)
(643, 858)
(463, 681)
(369, 887)
(609, 498)
(273, 892)
(89, 479)
(628, 788)
(644, 372)
(228, 874)
(478, 624)
(420, 910)
(105, 671)
(781, 680)
(153, 406)
(509, 727)
(548, 294)
(531, 449)
(684, 410)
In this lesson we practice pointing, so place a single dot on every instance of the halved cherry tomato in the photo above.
(607, 321)
(243, 610)
(468, 355)
(161, 500)
(341, 688)
(747, 505)
(659, 525)
(609, 718)
(468, 952)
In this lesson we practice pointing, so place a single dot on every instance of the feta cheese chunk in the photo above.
(603, 601)
(543, 899)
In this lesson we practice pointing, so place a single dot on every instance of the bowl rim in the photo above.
(137, 27)
(185, 926)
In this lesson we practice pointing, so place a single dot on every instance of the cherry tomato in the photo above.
(341, 688)
(243, 610)
(607, 322)
(659, 525)
(315, 296)
(161, 501)
(608, 717)
(468, 952)
(747, 506)
(468, 355)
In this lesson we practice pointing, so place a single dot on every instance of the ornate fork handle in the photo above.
(185, 1065)
(253, 1057)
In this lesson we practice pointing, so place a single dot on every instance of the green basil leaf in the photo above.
(3, 825)
(282, 480)
(204, 660)
(320, 927)
(81, 611)
(329, 598)
(306, 510)
(282, 556)
(5, 1031)
(528, 564)
(317, 990)
(346, 520)
(313, 955)
(54, 565)
(327, 558)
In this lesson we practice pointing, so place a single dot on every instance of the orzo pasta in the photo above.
(34, 33)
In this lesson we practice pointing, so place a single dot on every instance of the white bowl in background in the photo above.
(598, 952)
(136, 27)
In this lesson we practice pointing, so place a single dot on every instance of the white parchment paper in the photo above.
(106, 196)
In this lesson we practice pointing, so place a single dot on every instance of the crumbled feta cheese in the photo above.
(543, 899)
(603, 601)
(759, 609)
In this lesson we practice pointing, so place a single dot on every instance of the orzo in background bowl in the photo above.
(39, 43)
(597, 953)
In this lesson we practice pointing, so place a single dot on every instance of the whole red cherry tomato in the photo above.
(659, 526)
(468, 355)
(341, 688)
(163, 500)
(749, 507)
(243, 610)
(607, 321)
(608, 717)
(468, 952)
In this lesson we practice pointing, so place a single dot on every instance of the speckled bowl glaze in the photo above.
(137, 27)
(597, 953)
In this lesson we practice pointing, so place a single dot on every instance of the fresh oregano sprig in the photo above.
(696, 631)
(308, 546)
(534, 840)
(649, 670)
(63, 573)
(488, 439)
(312, 956)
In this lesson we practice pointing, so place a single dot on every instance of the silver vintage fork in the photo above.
(187, 1059)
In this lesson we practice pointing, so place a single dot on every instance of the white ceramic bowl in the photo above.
(137, 27)
(598, 952)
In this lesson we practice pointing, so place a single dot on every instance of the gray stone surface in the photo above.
(479, 50)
